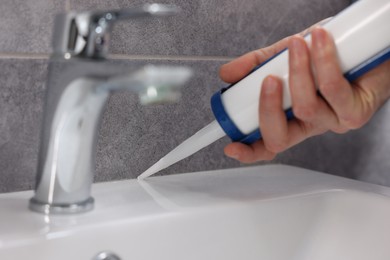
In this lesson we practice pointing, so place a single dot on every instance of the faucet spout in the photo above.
(80, 82)
(65, 170)
(72, 119)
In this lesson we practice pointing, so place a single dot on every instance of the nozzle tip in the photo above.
(152, 170)
(144, 175)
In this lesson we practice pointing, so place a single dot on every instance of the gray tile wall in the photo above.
(132, 137)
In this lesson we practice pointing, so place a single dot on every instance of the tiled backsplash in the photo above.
(26, 25)
(205, 35)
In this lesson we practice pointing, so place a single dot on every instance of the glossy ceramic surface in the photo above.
(268, 212)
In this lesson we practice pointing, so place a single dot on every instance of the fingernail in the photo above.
(297, 46)
(319, 38)
(270, 85)
(233, 156)
(232, 151)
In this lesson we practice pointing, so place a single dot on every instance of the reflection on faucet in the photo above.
(80, 82)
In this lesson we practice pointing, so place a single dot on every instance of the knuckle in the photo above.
(306, 112)
(276, 146)
(348, 122)
(353, 122)
(340, 130)
(329, 89)
(260, 152)
(270, 156)
(261, 55)
(265, 156)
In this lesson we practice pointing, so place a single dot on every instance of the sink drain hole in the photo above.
(106, 256)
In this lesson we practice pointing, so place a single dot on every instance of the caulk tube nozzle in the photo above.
(204, 137)
(158, 166)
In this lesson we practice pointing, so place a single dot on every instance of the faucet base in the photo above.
(48, 208)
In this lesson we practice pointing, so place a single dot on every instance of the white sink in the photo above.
(261, 213)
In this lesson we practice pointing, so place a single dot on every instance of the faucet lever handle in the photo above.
(87, 34)
(148, 10)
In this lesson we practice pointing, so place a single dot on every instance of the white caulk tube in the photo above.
(362, 37)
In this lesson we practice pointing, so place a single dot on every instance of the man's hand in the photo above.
(342, 106)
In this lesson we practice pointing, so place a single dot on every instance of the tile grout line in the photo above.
(33, 56)
(167, 57)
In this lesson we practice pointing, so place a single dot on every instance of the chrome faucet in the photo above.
(79, 84)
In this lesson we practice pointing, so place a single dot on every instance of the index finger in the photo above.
(238, 68)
